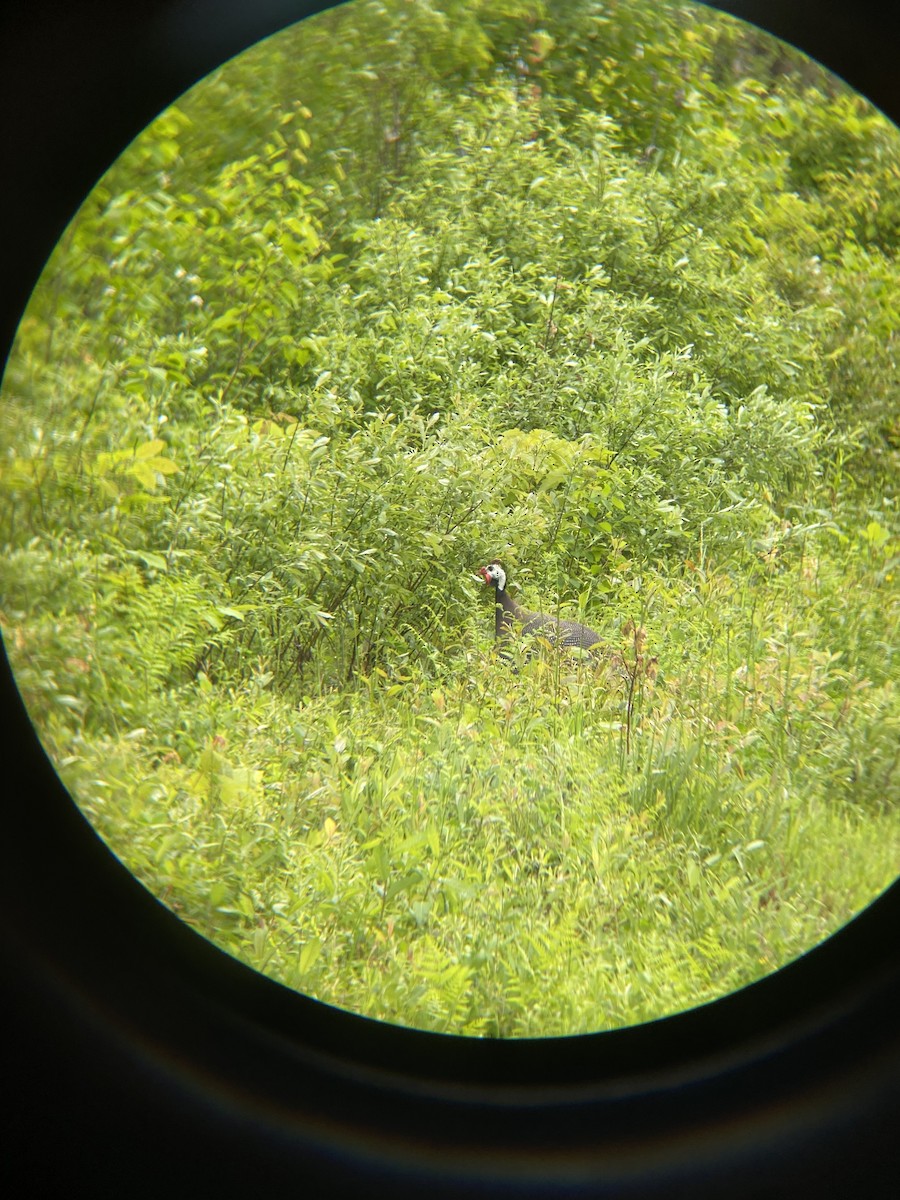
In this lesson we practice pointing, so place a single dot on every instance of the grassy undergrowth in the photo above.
(291, 375)
(482, 851)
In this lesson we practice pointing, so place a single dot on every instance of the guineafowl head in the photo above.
(494, 574)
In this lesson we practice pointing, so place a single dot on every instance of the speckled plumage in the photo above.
(566, 634)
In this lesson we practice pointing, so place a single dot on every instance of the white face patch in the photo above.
(493, 573)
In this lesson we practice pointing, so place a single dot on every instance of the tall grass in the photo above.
(520, 851)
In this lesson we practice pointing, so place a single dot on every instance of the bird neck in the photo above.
(506, 612)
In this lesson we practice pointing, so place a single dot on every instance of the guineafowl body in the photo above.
(570, 635)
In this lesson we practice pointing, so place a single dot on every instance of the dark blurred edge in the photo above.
(136, 1058)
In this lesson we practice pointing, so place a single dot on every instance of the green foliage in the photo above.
(607, 290)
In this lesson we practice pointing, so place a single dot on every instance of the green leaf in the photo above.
(149, 558)
(309, 955)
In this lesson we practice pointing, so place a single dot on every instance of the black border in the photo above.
(137, 1058)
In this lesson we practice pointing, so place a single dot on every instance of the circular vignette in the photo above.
(140, 1056)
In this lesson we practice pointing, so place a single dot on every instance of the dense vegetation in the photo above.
(609, 290)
